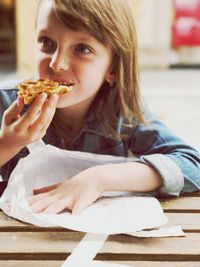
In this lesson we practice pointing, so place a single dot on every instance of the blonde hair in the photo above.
(110, 21)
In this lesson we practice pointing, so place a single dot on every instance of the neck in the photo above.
(72, 117)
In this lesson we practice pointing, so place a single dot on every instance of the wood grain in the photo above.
(46, 263)
(28, 245)
(57, 246)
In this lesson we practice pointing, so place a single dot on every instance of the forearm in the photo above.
(7, 151)
(132, 176)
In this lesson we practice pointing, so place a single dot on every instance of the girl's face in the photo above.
(71, 56)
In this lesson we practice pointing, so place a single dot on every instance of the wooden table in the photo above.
(26, 245)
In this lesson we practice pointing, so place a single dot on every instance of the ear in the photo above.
(111, 79)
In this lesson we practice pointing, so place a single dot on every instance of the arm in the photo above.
(7, 151)
(19, 130)
(8, 147)
(131, 176)
(177, 163)
(84, 188)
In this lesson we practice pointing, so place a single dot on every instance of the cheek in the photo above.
(42, 63)
(92, 77)
(42, 67)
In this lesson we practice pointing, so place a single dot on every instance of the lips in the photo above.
(64, 82)
(67, 83)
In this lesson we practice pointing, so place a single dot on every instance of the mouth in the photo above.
(66, 84)
(63, 82)
(69, 84)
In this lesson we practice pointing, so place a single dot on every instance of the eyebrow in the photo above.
(82, 38)
(43, 31)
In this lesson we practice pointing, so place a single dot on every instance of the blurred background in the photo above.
(168, 50)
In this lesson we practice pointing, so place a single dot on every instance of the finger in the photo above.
(59, 206)
(43, 203)
(20, 103)
(50, 105)
(13, 111)
(45, 117)
(45, 189)
(32, 199)
(32, 112)
(79, 206)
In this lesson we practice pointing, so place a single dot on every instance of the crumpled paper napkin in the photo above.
(109, 215)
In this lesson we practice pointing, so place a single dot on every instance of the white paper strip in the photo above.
(85, 251)
(162, 232)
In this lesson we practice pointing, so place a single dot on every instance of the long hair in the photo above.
(110, 21)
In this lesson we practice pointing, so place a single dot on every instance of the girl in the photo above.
(92, 44)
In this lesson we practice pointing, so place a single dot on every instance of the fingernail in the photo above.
(43, 96)
(54, 98)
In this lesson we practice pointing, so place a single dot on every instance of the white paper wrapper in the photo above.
(47, 165)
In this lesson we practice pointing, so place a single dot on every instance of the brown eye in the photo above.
(83, 49)
(47, 45)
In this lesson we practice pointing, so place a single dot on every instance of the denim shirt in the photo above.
(154, 145)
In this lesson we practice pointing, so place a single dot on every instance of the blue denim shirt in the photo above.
(154, 145)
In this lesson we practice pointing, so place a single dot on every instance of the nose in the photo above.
(59, 62)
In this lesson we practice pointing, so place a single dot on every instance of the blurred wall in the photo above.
(153, 22)
(7, 33)
(25, 21)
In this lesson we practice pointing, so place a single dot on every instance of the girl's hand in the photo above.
(75, 194)
(18, 131)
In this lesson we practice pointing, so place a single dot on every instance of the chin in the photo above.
(64, 102)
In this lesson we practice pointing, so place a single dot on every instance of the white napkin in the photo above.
(109, 215)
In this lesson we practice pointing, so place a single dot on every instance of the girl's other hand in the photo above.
(19, 130)
(75, 194)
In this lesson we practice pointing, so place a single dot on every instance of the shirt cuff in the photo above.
(172, 177)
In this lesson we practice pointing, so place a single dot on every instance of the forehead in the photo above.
(48, 22)
(46, 14)
(79, 19)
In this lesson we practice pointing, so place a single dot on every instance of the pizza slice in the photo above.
(29, 89)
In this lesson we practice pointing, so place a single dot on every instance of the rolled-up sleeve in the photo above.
(177, 163)
(170, 173)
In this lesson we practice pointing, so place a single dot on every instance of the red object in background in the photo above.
(186, 24)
